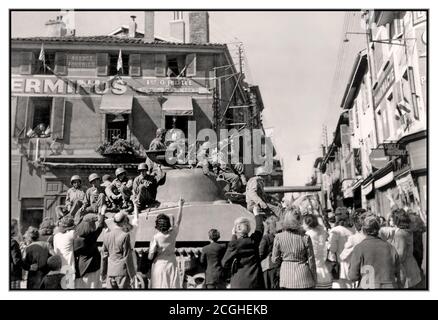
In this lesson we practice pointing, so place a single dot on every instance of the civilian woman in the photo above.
(165, 272)
(293, 249)
(410, 274)
(319, 243)
(242, 255)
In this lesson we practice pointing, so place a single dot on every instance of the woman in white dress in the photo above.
(164, 273)
(319, 242)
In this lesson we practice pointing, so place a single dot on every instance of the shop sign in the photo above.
(81, 61)
(385, 82)
(378, 158)
(394, 149)
(51, 85)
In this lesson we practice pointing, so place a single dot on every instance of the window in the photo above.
(114, 59)
(31, 112)
(32, 213)
(41, 112)
(50, 63)
(116, 127)
(176, 65)
(178, 122)
(396, 27)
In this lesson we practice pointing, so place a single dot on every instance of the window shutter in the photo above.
(27, 60)
(134, 65)
(61, 63)
(160, 65)
(413, 94)
(58, 116)
(211, 80)
(345, 134)
(191, 65)
(378, 56)
(102, 61)
(21, 115)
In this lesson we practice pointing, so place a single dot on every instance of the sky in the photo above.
(297, 58)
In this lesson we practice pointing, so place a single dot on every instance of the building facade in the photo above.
(71, 96)
(378, 157)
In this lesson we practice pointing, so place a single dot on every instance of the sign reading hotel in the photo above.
(51, 85)
(81, 61)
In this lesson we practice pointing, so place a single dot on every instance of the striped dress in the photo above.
(295, 252)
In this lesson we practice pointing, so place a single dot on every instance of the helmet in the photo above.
(93, 177)
(74, 178)
(261, 171)
(143, 166)
(239, 167)
(120, 171)
(106, 177)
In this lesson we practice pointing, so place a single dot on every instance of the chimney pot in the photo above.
(132, 27)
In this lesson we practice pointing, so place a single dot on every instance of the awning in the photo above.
(366, 189)
(388, 178)
(116, 104)
(178, 106)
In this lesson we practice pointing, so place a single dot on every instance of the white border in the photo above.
(198, 295)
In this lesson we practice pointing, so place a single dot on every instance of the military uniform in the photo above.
(255, 195)
(121, 187)
(73, 202)
(145, 189)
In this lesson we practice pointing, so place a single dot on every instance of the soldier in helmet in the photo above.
(145, 187)
(234, 176)
(256, 198)
(119, 191)
(94, 198)
(74, 199)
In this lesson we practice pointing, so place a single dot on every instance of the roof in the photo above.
(110, 40)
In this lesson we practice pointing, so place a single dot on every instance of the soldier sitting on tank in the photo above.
(256, 199)
(145, 187)
(234, 176)
(95, 199)
(158, 142)
(74, 199)
(119, 192)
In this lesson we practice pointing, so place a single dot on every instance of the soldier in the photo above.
(120, 190)
(256, 198)
(74, 200)
(145, 187)
(234, 177)
(158, 142)
(94, 198)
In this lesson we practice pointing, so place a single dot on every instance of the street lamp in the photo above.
(385, 41)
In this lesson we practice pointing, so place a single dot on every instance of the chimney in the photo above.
(132, 27)
(178, 27)
(56, 28)
(198, 27)
(149, 26)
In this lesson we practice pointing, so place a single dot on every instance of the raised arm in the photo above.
(180, 210)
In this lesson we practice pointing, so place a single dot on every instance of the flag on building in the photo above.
(120, 63)
(42, 56)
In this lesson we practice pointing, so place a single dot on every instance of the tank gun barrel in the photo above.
(289, 189)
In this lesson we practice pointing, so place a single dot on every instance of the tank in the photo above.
(205, 207)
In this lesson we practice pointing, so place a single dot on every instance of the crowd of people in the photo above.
(289, 249)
